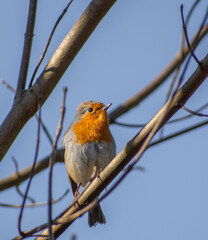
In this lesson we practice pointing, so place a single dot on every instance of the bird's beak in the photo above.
(106, 107)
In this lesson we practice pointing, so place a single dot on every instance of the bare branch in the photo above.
(32, 205)
(129, 124)
(182, 52)
(41, 122)
(194, 113)
(191, 11)
(140, 96)
(30, 179)
(27, 47)
(189, 115)
(178, 133)
(51, 163)
(187, 39)
(8, 86)
(133, 125)
(17, 187)
(48, 42)
(45, 129)
(19, 177)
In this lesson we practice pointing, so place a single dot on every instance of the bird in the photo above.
(89, 147)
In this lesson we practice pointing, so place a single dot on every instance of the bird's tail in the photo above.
(95, 216)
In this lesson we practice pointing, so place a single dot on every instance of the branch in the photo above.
(186, 36)
(32, 205)
(129, 151)
(48, 42)
(19, 177)
(51, 164)
(31, 177)
(7, 85)
(17, 187)
(178, 133)
(41, 122)
(22, 111)
(193, 112)
(145, 92)
(133, 125)
(27, 47)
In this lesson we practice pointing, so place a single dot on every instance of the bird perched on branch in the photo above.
(89, 147)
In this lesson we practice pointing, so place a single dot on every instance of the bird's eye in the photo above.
(90, 109)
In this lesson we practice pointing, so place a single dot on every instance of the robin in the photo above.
(89, 147)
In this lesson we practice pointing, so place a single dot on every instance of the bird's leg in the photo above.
(76, 194)
(96, 173)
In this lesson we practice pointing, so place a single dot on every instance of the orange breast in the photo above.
(93, 128)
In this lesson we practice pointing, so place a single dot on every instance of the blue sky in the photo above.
(131, 46)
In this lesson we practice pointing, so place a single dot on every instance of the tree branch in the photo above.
(48, 42)
(178, 133)
(145, 92)
(51, 164)
(19, 177)
(27, 47)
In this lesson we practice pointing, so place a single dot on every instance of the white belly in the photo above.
(80, 163)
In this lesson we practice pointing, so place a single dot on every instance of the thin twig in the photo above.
(187, 39)
(181, 49)
(17, 186)
(173, 80)
(187, 21)
(194, 113)
(7, 85)
(32, 205)
(22, 195)
(189, 58)
(194, 47)
(27, 47)
(191, 10)
(188, 115)
(51, 163)
(17, 178)
(41, 122)
(31, 233)
(144, 93)
(182, 53)
(48, 135)
(176, 134)
(134, 125)
(48, 42)
(31, 176)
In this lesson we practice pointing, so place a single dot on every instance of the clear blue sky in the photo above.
(132, 45)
